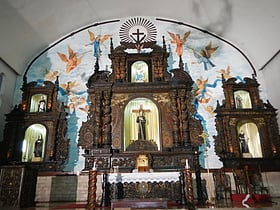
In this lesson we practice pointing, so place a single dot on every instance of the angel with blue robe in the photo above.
(96, 41)
(204, 56)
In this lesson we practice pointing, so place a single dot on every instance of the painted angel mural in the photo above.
(225, 73)
(72, 59)
(204, 55)
(202, 93)
(96, 41)
(51, 75)
(176, 39)
(67, 88)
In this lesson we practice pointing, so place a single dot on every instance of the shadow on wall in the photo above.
(219, 22)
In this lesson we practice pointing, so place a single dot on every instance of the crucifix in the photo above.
(141, 120)
(138, 40)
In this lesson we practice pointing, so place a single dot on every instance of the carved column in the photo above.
(92, 179)
(184, 118)
(175, 121)
(189, 187)
(97, 129)
(107, 119)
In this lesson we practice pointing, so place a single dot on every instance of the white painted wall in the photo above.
(6, 93)
(27, 27)
(271, 75)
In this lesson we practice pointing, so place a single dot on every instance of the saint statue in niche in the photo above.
(243, 140)
(141, 120)
(242, 99)
(42, 104)
(38, 148)
(238, 101)
(143, 126)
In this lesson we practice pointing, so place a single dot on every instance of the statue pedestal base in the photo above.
(247, 155)
(142, 145)
(36, 159)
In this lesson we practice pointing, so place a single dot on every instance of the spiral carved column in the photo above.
(92, 179)
(175, 115)
(189, 196)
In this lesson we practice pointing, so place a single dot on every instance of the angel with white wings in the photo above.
(176, 39)
(96, 41)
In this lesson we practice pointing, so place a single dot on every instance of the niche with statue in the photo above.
(247, 127)
(140, 107)
(35, 130)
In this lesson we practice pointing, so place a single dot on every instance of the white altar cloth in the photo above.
(143, 177)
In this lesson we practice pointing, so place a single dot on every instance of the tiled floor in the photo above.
(220, 204)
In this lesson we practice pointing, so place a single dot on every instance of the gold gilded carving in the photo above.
(88, 138)
(232, 121)
(119, 99)
(167, 139)
(161, 97)
(116, 142)
(260, 121)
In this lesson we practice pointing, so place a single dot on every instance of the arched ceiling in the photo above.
(29, 26)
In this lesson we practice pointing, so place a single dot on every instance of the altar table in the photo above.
(143, 177)
(144, 185)
(140, 204)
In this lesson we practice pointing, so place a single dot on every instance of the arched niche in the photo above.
(139, 72)
(242, 99)
(131, 126)
(38, 103)
(249, 140)
(33, 146)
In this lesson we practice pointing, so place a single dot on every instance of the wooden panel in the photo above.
(17, 186)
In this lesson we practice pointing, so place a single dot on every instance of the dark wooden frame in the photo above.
(228, 118)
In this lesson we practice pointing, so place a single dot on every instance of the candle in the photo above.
(187, 164)
(94, 166)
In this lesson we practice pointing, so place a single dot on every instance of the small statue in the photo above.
(243, 142)
(239, 102)
(42, 105)
(38, 149)
(141, 120)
